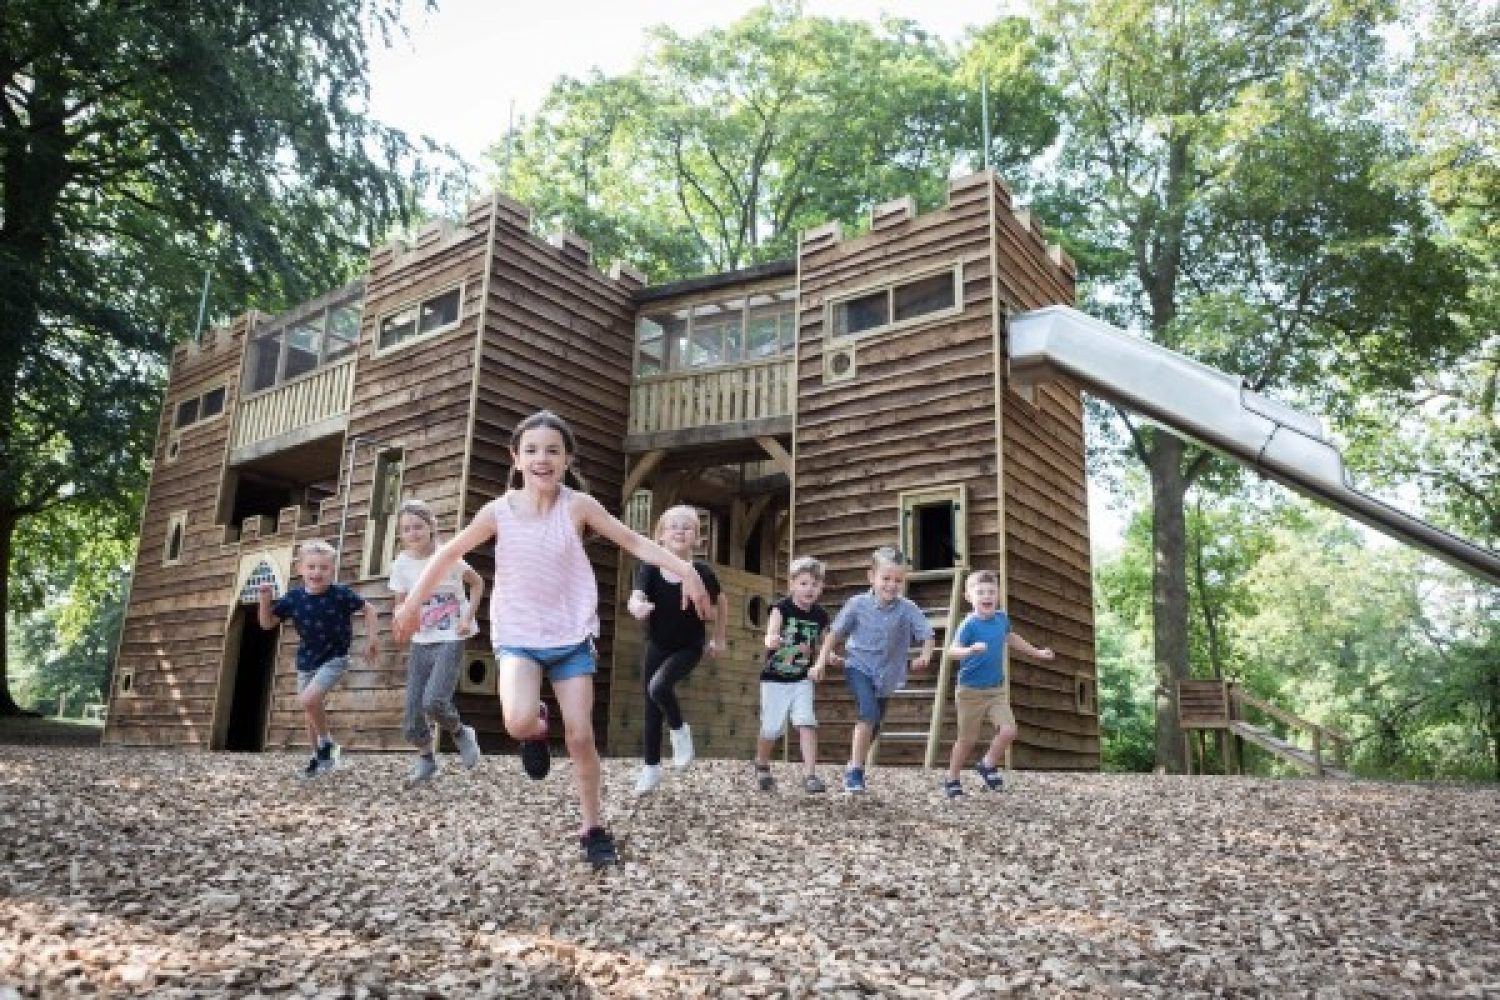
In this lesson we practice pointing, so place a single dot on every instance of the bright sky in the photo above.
(454, 79)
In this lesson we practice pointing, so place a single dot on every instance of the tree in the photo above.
(140, 145)
(1224, 180)
(717, 150)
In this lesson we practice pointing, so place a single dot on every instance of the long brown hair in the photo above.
(546, 418)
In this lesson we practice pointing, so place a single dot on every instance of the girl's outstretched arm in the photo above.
(608, 526)
(479, 531)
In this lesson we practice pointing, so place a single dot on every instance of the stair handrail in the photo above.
(945, 668)
(1239, 696)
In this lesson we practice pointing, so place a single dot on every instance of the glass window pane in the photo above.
(343, 332)
(674, 329)
(187, 412)
(769, 327)
(397, 327)
(438, 312)
(929, 295)
(864, 313)
(304, 342)
(213, 403)
(265, 355)
(716, 334)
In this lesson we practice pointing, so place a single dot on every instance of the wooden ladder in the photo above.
(944, 623)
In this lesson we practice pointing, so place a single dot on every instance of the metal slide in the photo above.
(1217, 411)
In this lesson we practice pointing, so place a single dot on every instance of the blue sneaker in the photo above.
(993, 779)
(854, 780)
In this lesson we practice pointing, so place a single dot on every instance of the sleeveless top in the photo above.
(545, 594)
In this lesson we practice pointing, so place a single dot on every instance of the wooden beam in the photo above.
(643, 466)
(778, 454)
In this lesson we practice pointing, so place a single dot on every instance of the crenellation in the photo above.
(575, 248)
(627, 276)
(889, 214)
(822, 237)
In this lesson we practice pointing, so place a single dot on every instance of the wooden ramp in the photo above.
(1274, 744)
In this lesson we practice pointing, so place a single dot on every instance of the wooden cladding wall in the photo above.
(172, 637)
(1048, 572)
(414, 398)
(557, 335)
(920, 411)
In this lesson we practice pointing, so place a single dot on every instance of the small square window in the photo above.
(398, 327)
(187, 412)
(919, 298)
(212, 403)
(439, 312)
(864, 313)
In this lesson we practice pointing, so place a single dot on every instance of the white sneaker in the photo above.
(682, 745)
(649, 780)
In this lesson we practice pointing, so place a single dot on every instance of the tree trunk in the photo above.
(1169, 598)
(8, 704)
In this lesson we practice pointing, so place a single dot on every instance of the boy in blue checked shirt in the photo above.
(877, 629)
(979, 646)
(321, 610)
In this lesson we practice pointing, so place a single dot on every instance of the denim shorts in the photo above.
(559, 663)
(326, 676)
(867, 705)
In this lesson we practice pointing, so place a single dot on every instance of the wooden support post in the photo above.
(1224, 749)
(738, 531)
(637, 476)
(778, 454)
(1187, 751)
(1317, 740)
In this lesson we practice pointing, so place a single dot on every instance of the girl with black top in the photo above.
(674, 641)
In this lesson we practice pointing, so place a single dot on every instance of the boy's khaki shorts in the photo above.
(977, 704)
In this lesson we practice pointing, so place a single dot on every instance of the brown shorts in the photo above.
(977, 704)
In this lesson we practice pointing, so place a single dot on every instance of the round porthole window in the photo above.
(478, 670)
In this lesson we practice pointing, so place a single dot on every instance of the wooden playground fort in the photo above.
(851, 397)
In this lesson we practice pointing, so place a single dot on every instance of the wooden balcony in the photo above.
(741, 402)
(293, 413)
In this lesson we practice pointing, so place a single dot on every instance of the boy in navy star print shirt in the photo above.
(321, 610)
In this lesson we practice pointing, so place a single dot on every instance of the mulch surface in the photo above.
(189, 874)
(25, 730)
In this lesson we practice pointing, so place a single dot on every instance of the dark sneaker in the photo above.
(854, 780)
(993, 779)
(328, 757)
(311, 770)
(536, 755)
(813, 785)
(468, 747)
(599, 848)
(763, 779)
(953, 789)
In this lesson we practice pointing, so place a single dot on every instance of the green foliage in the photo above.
(718, 149)
(140, 146)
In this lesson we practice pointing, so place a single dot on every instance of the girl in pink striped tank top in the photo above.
(544, 612)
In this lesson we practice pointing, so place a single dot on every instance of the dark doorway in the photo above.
(252, 685)
(932, 537)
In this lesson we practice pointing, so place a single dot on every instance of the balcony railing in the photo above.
(307, 401)
(688, 400)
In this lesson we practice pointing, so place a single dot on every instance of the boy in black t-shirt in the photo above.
(321, 610)
(794, 627)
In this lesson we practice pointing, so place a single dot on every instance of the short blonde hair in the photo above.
(888, 555)
(979, 576)
(681, 510)
(316, 546)
(806, 564)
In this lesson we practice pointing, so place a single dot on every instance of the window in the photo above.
(380, 529)
(727, 331)
(197, 409)
(311, 337)
(927, 297)
(638, 513)
(934, 530)
(430, 315)
(171, 553)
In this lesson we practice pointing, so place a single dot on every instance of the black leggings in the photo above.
(662, 670)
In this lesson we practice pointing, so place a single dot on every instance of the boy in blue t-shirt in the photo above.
(321, 610)
(980, 645)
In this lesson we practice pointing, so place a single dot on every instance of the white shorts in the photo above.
(780, 701)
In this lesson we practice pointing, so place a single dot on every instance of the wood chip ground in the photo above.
(188, 874)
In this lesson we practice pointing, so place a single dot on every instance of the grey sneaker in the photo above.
(468, 747)
(424, 770)
(763, 779)
(812, 784)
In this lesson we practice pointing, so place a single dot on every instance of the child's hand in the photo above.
(695, 596)
(466, 626)
(1045, 653)
(641, 609)
(804, 649)
(816, 673)
(836, 659)
(404, 623)
(266, 592)
(977, 648)
(920, 663)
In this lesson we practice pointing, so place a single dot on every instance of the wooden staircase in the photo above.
(1222, 706)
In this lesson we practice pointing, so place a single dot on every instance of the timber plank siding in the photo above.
(538, 326)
